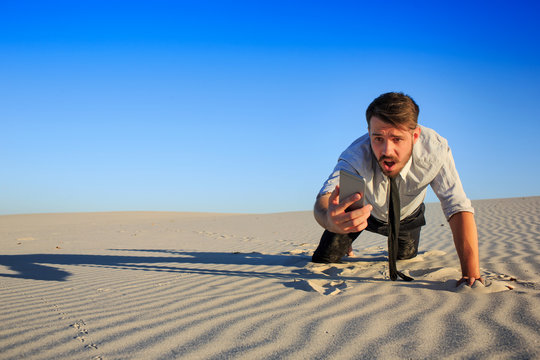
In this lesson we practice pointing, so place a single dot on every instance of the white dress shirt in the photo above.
(431, 163)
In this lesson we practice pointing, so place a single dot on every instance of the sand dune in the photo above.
(165, 285)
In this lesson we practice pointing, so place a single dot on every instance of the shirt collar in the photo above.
(403, 173)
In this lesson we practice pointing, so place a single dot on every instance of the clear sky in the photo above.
(244, 106)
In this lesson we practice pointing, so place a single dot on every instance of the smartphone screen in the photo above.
(349, 184)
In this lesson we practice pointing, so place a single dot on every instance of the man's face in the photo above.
(391, 145)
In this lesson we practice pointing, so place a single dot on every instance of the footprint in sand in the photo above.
(323, 287)
(333, 287)
(437, 278)
(80, 326)
(297, 252)
(335, 270)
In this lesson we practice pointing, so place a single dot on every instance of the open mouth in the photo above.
(388, 165)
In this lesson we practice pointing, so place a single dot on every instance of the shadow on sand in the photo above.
(49, 266)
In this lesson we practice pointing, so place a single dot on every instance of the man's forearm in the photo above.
(466, 241)
(320, 209)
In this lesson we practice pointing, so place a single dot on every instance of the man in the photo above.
(398, 160)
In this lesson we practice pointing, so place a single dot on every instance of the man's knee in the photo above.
(408, 244)
(332, 247)
(407, 253)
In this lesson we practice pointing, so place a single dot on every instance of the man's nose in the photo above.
(387, 148)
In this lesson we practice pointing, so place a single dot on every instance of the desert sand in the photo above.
(167, 285)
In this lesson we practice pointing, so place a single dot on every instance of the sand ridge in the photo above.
(203, 286)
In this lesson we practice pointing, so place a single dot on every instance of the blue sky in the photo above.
(244, 106)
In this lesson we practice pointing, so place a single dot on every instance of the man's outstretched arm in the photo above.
(466, 241)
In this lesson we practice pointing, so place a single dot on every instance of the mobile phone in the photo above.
(349, 184)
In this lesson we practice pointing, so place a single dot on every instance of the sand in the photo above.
(166, 285)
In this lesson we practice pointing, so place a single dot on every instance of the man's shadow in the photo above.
(48, 267)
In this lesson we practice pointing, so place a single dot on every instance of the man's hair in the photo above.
(395, 108)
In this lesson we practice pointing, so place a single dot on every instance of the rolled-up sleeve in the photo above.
(448, 188)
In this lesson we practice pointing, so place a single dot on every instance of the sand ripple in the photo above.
(171, 286)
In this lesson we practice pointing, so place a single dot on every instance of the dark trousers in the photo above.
(333, 247)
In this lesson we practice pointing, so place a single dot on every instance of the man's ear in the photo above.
(416, 134)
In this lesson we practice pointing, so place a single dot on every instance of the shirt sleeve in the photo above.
(448, 188)
(333, 180)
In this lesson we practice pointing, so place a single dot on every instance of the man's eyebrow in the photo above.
(390, 135)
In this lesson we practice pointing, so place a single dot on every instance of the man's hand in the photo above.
(331, 214)
(469, 280)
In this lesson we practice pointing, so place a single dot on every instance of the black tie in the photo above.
(393, 231)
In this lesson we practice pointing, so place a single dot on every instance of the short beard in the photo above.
(393, 159)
